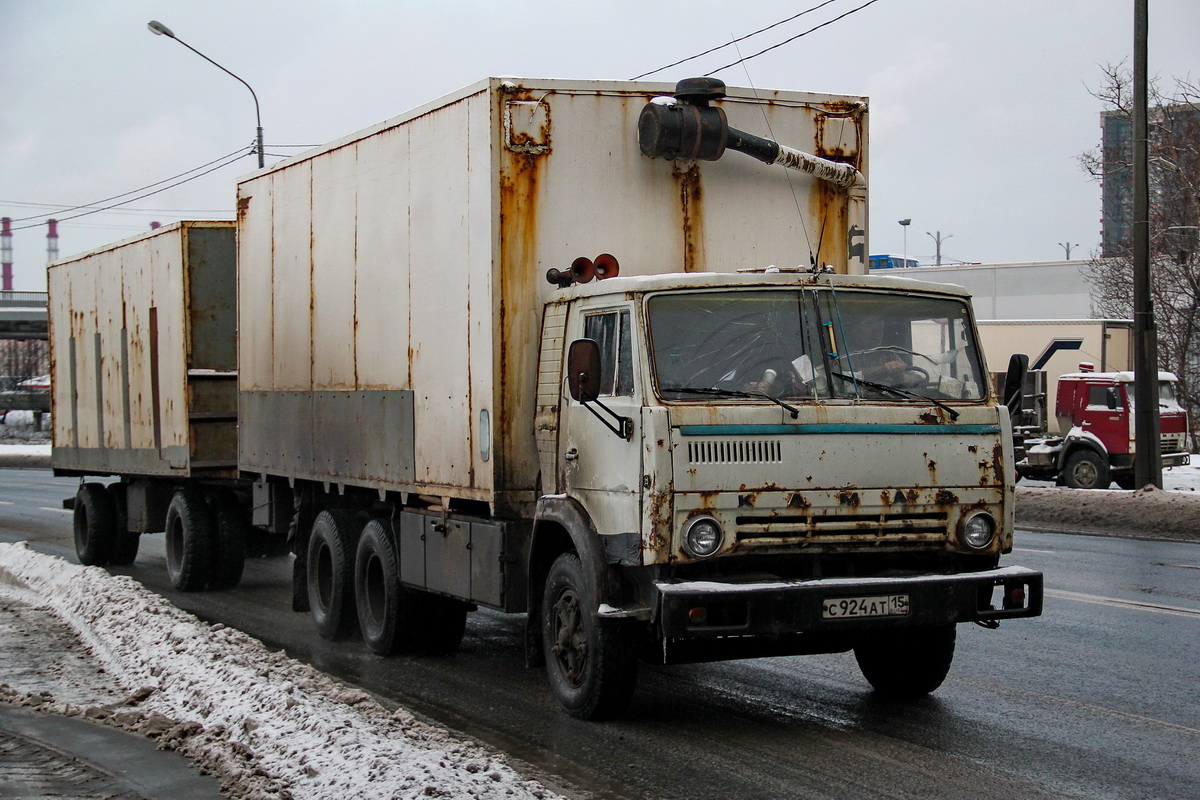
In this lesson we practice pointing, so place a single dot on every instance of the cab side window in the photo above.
(611, 331)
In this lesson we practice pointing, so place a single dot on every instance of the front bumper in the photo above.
(792, 611)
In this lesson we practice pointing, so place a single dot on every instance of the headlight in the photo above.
(977, 530)
(702, 536)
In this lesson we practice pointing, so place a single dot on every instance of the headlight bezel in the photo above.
(969, 538)
(697, 526)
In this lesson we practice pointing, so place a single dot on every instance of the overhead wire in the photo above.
(239, 153)
(734, 42)
(792, 39)
(95, 208)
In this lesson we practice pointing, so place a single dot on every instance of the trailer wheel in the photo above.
(331, 573)
(232, 530)
(591, 662)
(1086, 469)
(125, 541)
(906, 663)
(191, 534)
(95, 525)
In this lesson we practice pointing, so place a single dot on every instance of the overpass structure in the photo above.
(23, 315)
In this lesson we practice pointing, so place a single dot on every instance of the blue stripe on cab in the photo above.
(828, 428)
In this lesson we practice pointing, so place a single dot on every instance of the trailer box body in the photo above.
(391, 284)
(143, 355)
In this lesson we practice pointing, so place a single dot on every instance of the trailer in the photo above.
(604, 354)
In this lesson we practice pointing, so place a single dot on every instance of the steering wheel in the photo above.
(913, 376)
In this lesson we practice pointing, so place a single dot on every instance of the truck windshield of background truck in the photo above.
(813, 344)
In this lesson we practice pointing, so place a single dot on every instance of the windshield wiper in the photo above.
(795, 412)
(899, 392)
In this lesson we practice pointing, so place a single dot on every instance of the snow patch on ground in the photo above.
(265, 725)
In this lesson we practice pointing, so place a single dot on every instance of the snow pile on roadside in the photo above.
(265, 725)
(1161, 514)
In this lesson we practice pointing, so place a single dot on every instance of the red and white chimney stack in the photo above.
(52, 241)
(6, 256)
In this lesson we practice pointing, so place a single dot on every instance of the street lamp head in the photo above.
(906, 222)
(158, 29)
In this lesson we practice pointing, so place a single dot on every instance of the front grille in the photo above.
(897, 527)
(1173, 442)
(735, 451)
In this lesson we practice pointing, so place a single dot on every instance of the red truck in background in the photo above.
(1095, 445)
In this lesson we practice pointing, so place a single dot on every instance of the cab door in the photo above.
(598, 465)
(1102, 414)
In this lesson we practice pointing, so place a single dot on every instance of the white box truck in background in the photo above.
(543, 347)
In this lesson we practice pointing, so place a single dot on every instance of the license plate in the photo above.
(887, 605)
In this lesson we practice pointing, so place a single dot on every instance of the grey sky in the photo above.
(979, 109)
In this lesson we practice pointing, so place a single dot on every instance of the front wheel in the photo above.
(590, 662)
(906, 663)
(1086, 469)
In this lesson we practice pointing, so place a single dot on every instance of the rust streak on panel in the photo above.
(691, 195)
(516, 273)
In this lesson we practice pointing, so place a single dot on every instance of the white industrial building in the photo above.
(1033, 290)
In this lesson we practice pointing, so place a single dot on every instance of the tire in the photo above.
(330, 577)
(906, 663)
(393, 618)
(590, 662)
(232, 531)
(384, 615)
(95, 525)
(191, 539)
(1086, 469)
(125, 541)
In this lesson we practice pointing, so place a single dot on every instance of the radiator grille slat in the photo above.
(735, 451)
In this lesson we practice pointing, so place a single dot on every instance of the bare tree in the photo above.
(1174, 177)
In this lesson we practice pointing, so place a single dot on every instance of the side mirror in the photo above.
(1014, 383)
(1111, 396)
(583, 370)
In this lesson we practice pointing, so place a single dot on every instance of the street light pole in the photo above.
(904, 223)
(1147, 462)
(158, 29)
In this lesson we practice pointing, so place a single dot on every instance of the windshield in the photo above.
(813, 344)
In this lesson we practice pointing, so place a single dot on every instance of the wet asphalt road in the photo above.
(1099, 698)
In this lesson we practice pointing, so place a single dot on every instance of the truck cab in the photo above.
(1096, 443)
(773, 463)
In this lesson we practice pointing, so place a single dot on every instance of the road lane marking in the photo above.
(1031, 550)
(6, 502)
(59, 510)
(1183, 566)
(1063, 701)
(1118, 603)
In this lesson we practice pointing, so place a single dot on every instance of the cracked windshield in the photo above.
(813, 344)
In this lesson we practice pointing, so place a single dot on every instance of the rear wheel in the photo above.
(331, 573)
(906, 663)
(393, 618)
(125, 541)
(1086, 469)
(232, 530)
(191, 534)
(591, 662)
(95, 525)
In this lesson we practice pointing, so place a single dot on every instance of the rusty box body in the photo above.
(143, 355)
(391, 284)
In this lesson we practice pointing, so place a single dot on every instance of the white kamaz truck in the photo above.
(554, 348)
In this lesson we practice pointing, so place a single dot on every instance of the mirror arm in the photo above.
(623, 426)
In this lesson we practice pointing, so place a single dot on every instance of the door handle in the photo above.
(571, 454)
